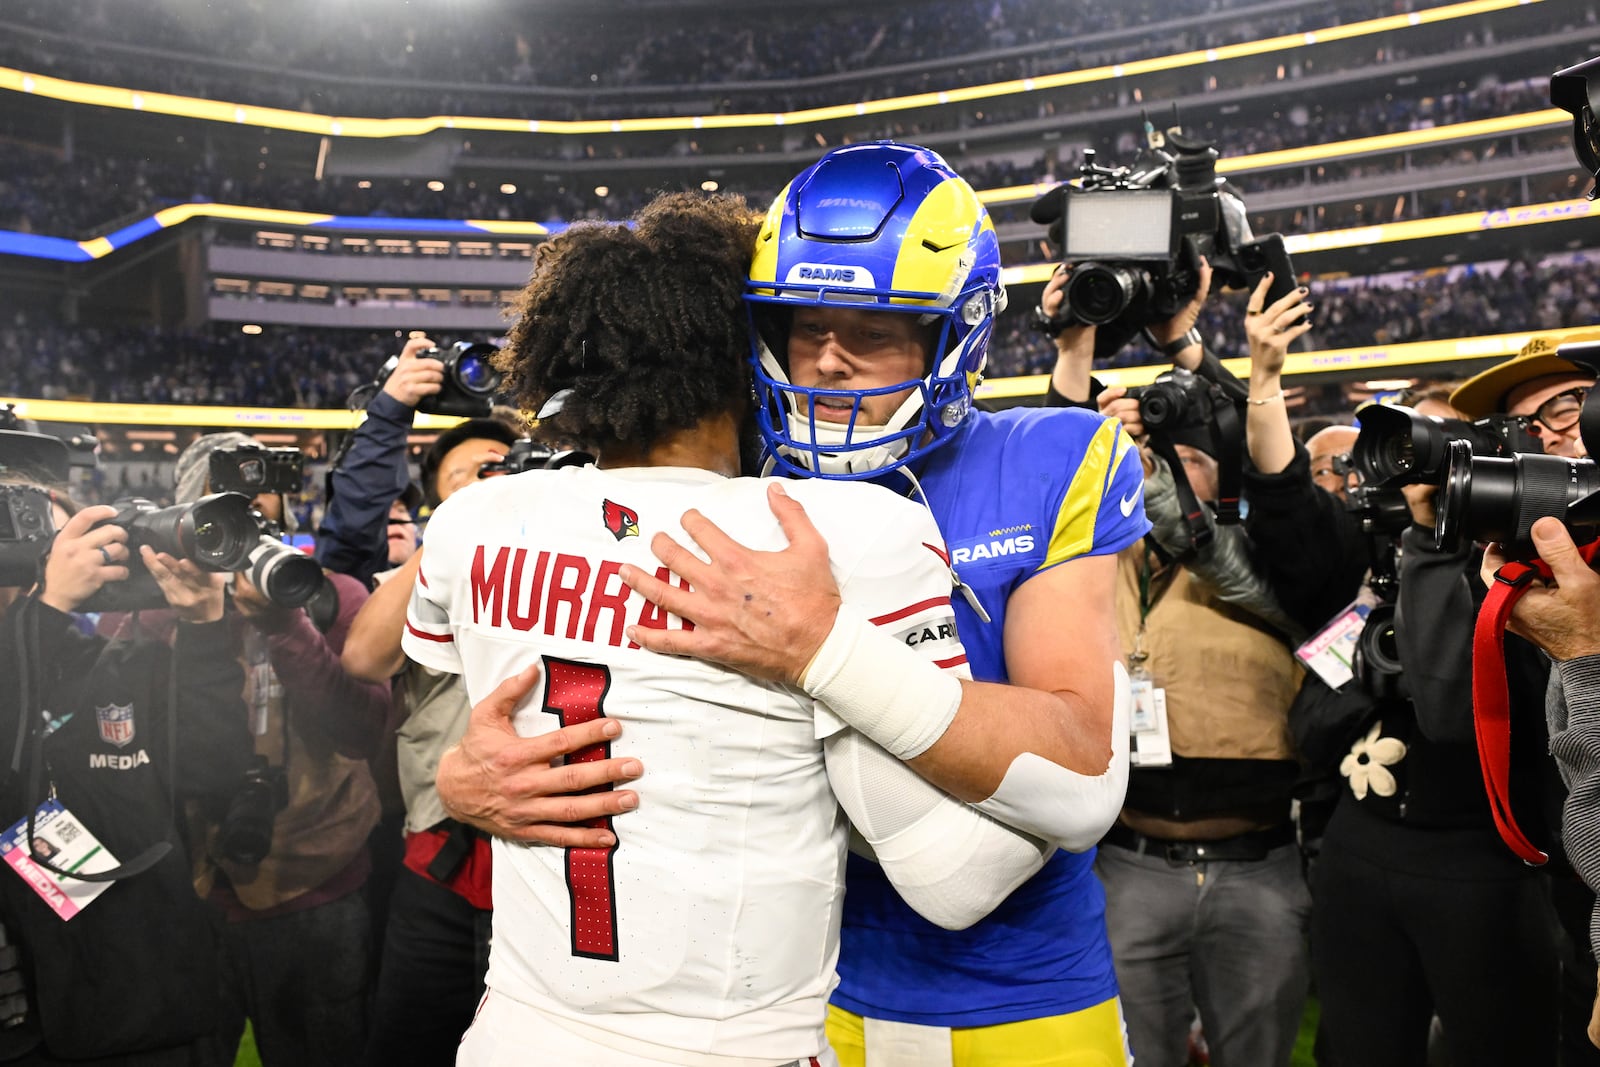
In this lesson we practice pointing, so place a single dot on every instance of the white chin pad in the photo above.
(1074, 810)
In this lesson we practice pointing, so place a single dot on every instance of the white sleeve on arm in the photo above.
(429, 637)
(1074, 810)
(948, 860)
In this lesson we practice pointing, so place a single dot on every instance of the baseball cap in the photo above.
(1484, 394)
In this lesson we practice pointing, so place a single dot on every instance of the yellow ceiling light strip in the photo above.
(1389, 359)
(1550, 118)
(169, 415)
(332, 126)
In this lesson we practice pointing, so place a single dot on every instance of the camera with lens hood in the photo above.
(1399, 446)
(217, 532)
(1134, 237)
(470, 380)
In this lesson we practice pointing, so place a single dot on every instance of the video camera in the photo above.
(1570, 91)
(1134, 237)
(470, 380)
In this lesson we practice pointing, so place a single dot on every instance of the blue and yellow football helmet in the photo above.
(880, 227)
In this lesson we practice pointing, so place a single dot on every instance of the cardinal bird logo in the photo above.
(621, 521)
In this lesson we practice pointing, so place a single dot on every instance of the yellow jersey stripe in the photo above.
(1075, 522)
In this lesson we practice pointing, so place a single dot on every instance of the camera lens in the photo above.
(289, 578)
(1098, 293)
(1488, 498)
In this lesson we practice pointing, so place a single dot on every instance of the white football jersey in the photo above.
(712, 926)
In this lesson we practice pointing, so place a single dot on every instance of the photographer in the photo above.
(1206, 904)
(132, 727)
(1559, 617)
(1547, 390)
(370, 483)
(285, 859)
(1420, 910)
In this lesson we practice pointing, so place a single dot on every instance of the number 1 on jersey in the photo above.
(575, 693)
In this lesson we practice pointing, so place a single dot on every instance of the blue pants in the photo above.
(1228, 937)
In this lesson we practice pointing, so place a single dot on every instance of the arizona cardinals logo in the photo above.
(621, 521)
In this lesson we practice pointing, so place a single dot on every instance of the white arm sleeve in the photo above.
(949, 861)
(1074, 810)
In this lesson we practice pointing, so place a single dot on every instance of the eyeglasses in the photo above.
(1560, 413)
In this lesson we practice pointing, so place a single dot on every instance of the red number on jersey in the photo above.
(576, 693)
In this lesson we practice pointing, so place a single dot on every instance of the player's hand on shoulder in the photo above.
(762, 613)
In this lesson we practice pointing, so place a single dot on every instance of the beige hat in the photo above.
(1485, 394)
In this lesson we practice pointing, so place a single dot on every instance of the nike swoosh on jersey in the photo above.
(1127, 502)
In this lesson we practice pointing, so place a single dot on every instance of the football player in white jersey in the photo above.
(707, 933)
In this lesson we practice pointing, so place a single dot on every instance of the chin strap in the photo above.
(1491, 699)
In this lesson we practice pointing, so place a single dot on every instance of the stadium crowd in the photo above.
(579, 49)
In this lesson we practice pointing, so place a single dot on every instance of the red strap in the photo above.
(1491, 699)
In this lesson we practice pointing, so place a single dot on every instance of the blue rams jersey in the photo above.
(1014, 493)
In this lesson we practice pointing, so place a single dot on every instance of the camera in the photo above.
(470, 380)
(245, 836)
(1569, 91)
(1398, 446)
(526, 454)
(1381, 509)
(252, 471)
(1135, 236)
(26, 529)
(1499, 497)
(218, 532)
(1179, 399)
(285, 575)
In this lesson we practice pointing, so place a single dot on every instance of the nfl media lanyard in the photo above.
(1491, 699)
(1147, 603)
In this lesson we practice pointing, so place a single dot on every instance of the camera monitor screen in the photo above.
(1118, 222)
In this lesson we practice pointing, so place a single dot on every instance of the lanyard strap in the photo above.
(1491, 698)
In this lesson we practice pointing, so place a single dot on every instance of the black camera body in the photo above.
(27, 527)
(1178, 400)
(1134, 237)
(245, 835)
(470, 380)
(217, 532)
(253, 471)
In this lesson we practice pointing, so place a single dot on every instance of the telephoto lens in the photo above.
(216, 531)
(1489, 498)
(286, 576)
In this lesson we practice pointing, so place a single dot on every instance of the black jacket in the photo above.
(354, 538)
(137, 968)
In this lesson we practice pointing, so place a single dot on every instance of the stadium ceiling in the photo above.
(347, 126)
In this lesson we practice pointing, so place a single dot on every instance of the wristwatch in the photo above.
(1176, 345)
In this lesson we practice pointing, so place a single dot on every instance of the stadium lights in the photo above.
(436, 186)
(508, 188)
(336, 126)
(709, 185)
(64, 250)
(250, 328)
(602, 190)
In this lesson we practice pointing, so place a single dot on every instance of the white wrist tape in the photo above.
(882, 687)
(1073, 810)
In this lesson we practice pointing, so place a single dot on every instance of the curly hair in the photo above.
(644, 323)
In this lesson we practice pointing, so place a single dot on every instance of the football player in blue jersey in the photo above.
(872, 297)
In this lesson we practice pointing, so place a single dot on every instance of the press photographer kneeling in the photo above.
(119, 958)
